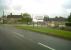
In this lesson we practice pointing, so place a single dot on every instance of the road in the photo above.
(17, 39)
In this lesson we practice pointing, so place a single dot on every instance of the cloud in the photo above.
(67, 4)
(18, 8)
(47, 7)
(3, 5)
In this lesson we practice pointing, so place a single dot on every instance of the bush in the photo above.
(67, 28)
(68, 24)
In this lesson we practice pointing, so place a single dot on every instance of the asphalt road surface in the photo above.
(17, 39)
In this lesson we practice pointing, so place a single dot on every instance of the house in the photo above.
(0, 20)
(55, 22)
(14, 18)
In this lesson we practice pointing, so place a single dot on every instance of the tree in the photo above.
(69, 18)
(46, 18)
(69, 21)
(26, 18)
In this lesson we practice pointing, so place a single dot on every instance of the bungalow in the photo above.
(55, 22)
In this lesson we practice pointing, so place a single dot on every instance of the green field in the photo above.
(48, 31)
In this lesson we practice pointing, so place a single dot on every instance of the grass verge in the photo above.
(48, 31)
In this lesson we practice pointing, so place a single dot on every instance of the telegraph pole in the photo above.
(3, 17)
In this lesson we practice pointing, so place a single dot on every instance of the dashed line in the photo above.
(38, 42)
(46, 46)
(19, 34)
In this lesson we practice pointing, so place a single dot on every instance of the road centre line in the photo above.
(38, 42)
(19, 34)
(46, 46)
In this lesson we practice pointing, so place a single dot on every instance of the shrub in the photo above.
(68, 24)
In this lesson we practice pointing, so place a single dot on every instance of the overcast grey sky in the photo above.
(36, 7)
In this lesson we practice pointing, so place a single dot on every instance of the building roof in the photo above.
(56, 19)
(14, 16)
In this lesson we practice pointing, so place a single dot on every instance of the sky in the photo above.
(51, 8)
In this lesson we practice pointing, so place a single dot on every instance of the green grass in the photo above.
(48, 31)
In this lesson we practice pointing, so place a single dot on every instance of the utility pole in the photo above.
(3, 17)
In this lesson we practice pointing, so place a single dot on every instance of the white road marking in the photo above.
(46, 46)
(18, 38)
(38, 43)
(19, 34)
